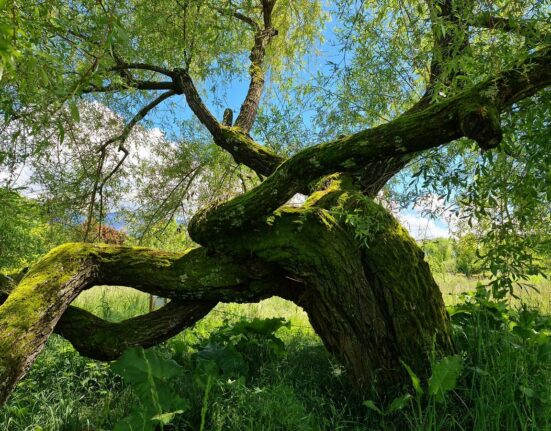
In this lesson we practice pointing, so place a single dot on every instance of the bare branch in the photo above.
(135, 85)
(99, 184)
(242, 17)
(105, 341)
(262, 38)
(143, 66)
(140, 116)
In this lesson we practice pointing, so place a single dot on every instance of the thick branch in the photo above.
(184, 85)
(246, 151)
(451, 39)
(32, 310)
(105, 341)
(433, 126)
(136, 85)
(102, 340)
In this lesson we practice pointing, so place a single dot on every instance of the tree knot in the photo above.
(481, 123)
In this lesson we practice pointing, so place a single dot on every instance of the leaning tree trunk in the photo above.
(362, 280)
(369, 293)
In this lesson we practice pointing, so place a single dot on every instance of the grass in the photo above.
(504, 384)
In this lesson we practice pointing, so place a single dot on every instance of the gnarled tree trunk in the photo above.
(347, 261)
(370, 297)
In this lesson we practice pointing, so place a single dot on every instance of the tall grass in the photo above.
(504, 384)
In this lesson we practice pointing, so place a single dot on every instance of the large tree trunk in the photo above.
(360, 277)
(368, 292)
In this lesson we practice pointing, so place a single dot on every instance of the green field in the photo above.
(504, 384)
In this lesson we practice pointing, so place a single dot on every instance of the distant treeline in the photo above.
(463, 254)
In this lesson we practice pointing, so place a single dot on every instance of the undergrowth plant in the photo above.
(231, 373)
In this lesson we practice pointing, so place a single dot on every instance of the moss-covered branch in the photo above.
(103, 340)
(99, 339)
(34, 307)
(433, 126)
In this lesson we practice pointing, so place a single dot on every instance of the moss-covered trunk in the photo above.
(360, 277)
(388, 313)
(368, 291)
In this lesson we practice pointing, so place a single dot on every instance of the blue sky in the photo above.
(168, 116)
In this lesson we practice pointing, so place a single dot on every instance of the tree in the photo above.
(341, 255)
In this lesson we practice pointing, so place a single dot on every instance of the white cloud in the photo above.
(424, 228)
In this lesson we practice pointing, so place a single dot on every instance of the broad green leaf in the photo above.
(371, 405)
(444, 376)
(137, 421)
(137, 364)
(399, 403)
(230, 363)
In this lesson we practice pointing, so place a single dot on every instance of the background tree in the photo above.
(428, 85)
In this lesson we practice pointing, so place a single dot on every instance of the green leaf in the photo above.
(399, 403)
(444, 376)
(137, 364)
(148, 374)
(166, 418)
(73, 110)
(415, 381)
(230, 362)
(137, 421)
(529, 392)
(371, 405)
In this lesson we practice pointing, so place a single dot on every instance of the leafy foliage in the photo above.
(231, 352)
(234, 351)
(150, 376)
(444, 376)
(23, 230)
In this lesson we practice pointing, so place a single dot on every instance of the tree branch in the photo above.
(451, 38)
(143, 66)
(105, 341)
(34, 307)
(184, 85)
(99, 183)
(472, 112)
(140, 115)
(135, 85)
(242, 17)
(262, 38)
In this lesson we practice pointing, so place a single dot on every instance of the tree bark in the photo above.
(347, 261)
(34, 307)
(371, 297)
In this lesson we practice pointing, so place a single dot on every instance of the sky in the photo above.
(420, 226)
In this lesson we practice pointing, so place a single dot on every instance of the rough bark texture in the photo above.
(372, 300)
(34, 307)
